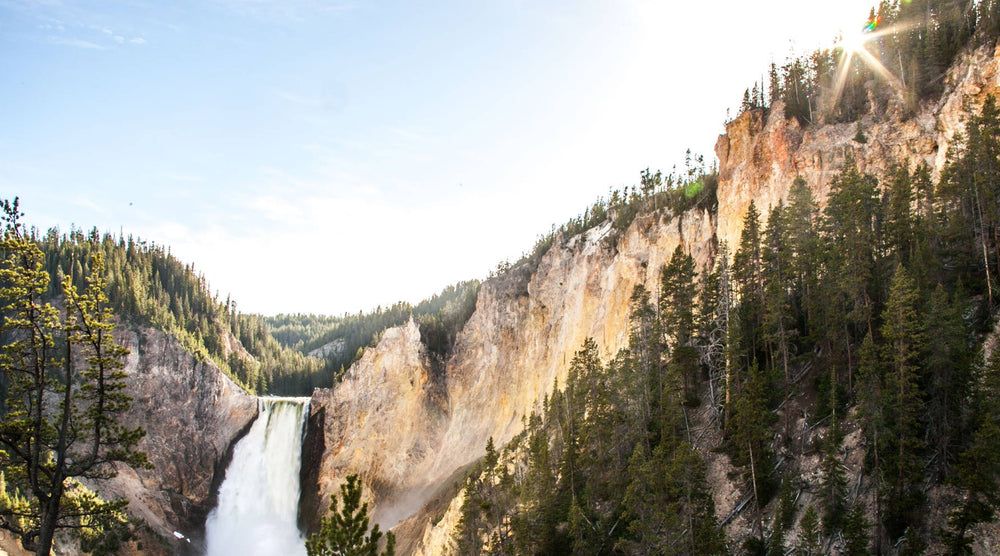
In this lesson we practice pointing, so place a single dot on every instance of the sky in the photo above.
(315, 156)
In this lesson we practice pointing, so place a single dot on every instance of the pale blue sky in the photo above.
(323, 156)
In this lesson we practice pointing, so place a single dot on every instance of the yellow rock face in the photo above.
(759, 160)
(407, 425)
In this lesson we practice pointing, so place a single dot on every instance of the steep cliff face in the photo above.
(192, 414)
(382, 420)
(407, 425)
(760, 158)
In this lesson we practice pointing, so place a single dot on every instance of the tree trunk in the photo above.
(756, 500)
(48, 519)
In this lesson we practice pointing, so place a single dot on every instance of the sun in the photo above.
(854, 43)
(854, 40)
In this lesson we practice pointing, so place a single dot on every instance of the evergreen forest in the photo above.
(912, 45)
(867, 309)
(865, 314)
(267, 355)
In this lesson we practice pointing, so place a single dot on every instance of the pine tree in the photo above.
(977, 473)
(899, 222)
(677, 305)
(948, 363)
(64, 393)
(970, 189)
(785, 511)
(746, 338)
(850, 223)
(856, 536)
(668, 504)
(778, 318)
(345, 532)
(798, 91)
(805, 246)
(646, 355)
(535, 527)
(750, 438)
(833, 482)
(904, 405)
(809, 534)
(773, 85)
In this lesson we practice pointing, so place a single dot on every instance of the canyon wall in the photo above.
(761, 154)
(410, 426)
(192, 413)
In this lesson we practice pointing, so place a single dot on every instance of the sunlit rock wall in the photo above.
(759, 159)
(408, 427)
(192, 413)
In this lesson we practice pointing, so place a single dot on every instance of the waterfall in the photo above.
(259, 497)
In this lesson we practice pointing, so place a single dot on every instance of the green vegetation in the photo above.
(608, 466)
(833, 309)
(852, 307)
(62, 377)
(440, 318)
(147, 285)
(915, 41)
(345, 532)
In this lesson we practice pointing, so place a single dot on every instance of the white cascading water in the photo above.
(259, 497)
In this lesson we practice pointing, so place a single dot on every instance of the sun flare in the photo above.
(854, 43)
(854, 40)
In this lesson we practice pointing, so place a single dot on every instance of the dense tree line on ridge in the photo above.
(916, 41)
(440, 318)
(147, 285)
(873, 309)
(676, 192)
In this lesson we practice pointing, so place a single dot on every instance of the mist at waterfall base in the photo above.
(259, 497)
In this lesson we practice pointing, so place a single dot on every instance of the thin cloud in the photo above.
(75, 43)
(188, 178)
(407, 134)
(89, 204)
(286, 10)
(300, 100)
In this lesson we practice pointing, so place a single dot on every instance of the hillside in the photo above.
(792, 351)
(789, 367)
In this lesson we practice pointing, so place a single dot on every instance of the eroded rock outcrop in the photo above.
(760, 158)
(192, 413)
(409, 428)
(408, 425)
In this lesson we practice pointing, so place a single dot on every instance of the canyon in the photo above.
(410, 423)
(409, 426)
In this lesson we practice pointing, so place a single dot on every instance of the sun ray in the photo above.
(881, 70)
(845, 67)
(855, 43)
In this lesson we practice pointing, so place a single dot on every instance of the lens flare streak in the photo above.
(857, 44)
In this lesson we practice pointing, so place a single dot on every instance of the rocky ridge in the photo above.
(408, 427)
(193, 414)
(761, 154)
